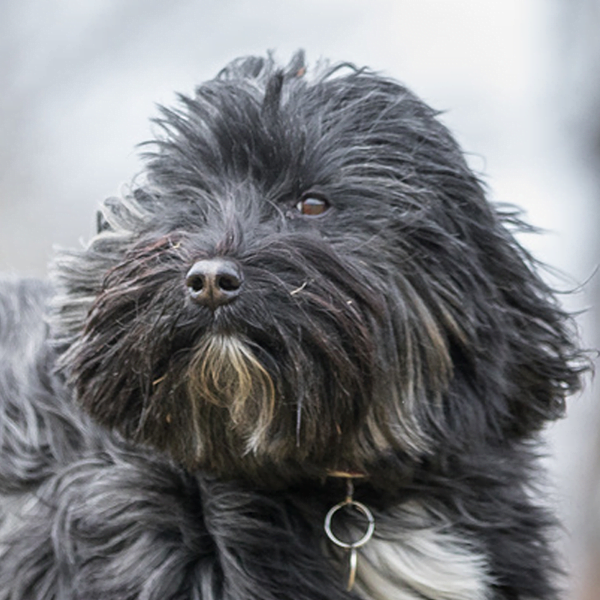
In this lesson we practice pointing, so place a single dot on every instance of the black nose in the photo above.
(215, 281)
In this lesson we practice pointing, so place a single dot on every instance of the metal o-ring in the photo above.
(361, 508)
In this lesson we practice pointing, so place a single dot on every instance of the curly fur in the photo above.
(403, 334)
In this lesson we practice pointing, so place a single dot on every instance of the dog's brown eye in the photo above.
(312, 206)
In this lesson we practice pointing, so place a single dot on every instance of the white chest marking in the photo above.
(426, 560)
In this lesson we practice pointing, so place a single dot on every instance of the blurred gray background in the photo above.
(519, 81)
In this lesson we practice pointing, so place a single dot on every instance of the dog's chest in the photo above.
(422, 563)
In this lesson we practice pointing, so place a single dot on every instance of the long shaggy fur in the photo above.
(154, 448)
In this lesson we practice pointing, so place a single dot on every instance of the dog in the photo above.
(303, 357)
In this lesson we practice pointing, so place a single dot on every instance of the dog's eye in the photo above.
(312, 206)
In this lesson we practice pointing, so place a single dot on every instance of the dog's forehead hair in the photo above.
(284, 132)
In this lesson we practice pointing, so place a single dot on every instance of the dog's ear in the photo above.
(101, 222)
(536, 353)
(122, 213)
(514, 349)
(545, 364)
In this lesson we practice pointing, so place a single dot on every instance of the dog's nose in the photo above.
(215, 281)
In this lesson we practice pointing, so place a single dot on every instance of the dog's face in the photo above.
(309, 278)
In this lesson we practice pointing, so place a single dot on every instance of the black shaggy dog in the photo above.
(303, 359)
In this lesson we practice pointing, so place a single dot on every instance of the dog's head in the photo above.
(308, 278)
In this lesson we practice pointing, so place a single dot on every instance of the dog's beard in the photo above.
(312, 368)
(225, 372)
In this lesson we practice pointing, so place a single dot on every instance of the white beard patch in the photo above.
(427, 561)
